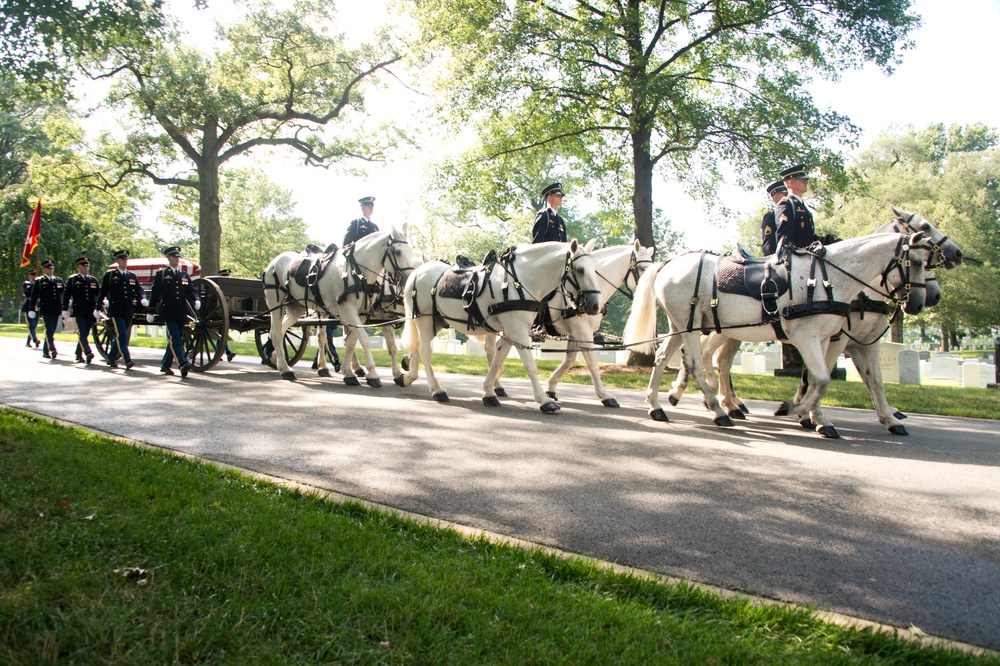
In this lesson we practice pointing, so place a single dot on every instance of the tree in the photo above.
(278, 79)
(623, 88)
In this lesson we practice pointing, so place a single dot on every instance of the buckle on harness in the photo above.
(694, 301)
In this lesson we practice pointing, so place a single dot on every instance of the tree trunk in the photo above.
(945, 337)
(896, 329)
(642, 192)
(209, 226)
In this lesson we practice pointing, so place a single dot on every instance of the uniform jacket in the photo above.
(47, 295)
(82, 290)
(122, 291)
(769, 241)
(171, 293)
(26, 288)
(359, 228)
(548, 227)
(795, 222)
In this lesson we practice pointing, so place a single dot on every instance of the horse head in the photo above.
(581, 274)
(642, 258)
(907, 271)
(946, 251)
(398, 259)
(932, 289)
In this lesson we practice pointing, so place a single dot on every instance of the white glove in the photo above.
(144, 302)
(197, 305)
(65, 314)
(150, 318)
(97, 314)
(106, 303)
(32, 314)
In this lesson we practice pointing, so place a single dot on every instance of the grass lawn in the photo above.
(114, 554)
(917, 399)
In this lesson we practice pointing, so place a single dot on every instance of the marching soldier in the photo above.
(120, 289)
(46, 300)
(26, 288)
(548, 225)
(769, 241)
(362, 226)
(794, 219)
(174, 297)
(82, 289)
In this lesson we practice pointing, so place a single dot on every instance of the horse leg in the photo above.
(663, 352)
(814, 357)
(724, 360)
(280, 322)
(390, 345)
(425, 328)
(490, 343)
(322, 370)
(557, 374)
(865, 358)
(680, 384)
(692, 361)
(496, 359)
(372, 378)
(548, 405)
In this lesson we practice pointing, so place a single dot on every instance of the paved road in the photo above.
(902, 530)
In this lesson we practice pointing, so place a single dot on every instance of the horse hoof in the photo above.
(610, 402)
(289, 375)
(405, 363)
(673, 401)
(744, 408)
(352, 381)
(724, 421)
(658, 415)
(807, 423)
(500, 391)
(360, 372)
(550, 408)
(783, 409)
(491, 401)
(899, 415)
(325, 372)
(374, 382)
(737, 414)
(551, 394)
(828, 432)
(399, 381)
(440, 397)
(898, 430)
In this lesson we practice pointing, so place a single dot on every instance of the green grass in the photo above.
(916, 399)
(238, 571)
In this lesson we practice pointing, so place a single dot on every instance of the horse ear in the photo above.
(406, 229)
(574, 246)
(916, 238)
(636, 245)
(589, 247)
(900, 214)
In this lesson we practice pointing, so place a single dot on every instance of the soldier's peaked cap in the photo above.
(367, 201)
(797, 171)
(172, 250)
(48, 263)
(225, 271)
(777, 186)
(554, 188)
(83, 260)
(121, 254)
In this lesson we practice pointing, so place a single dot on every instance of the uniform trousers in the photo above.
(51, 324)
(33, 330)
(121, 331)
(175, 345)
(83, 325)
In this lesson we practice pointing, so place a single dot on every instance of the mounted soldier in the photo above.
(548, 225)
(769, 241)
(362, 226)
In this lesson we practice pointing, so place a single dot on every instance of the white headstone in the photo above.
(772, 360)
(759, 364)
(888, 359)
(909, 367)
(746, 362)
(944, 367)
(987, 374)
(970, 376)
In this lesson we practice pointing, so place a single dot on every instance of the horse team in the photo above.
(823, 300)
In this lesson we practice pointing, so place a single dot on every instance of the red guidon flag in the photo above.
(34, 231)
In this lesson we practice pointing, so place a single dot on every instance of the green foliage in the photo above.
(620, 89)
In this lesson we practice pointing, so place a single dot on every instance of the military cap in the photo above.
(48, 263)
(32, 272)
(83, 261)
(797, 171)
(367, 201)
(225, 272)
(173, 250)
(554, 188)
(121, 254)
(777, 186)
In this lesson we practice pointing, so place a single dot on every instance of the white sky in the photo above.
(945, 78)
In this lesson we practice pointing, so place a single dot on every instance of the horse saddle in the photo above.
(763, 279)
(307, 269)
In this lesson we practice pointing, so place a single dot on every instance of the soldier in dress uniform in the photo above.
(82, 290)
(362, 226)
(548, 225)
(120, 289)
(769, 242)
(46, 300)
(793, 217)
(175, 298)
(26, 288)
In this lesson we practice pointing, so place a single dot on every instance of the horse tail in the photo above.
(641, 324)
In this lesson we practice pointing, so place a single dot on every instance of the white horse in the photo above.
(867, 322)
(504, 296)
(684, 288)
(343, 289)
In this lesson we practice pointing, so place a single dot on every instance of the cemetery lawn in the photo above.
(916, 399)
(118, 554)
